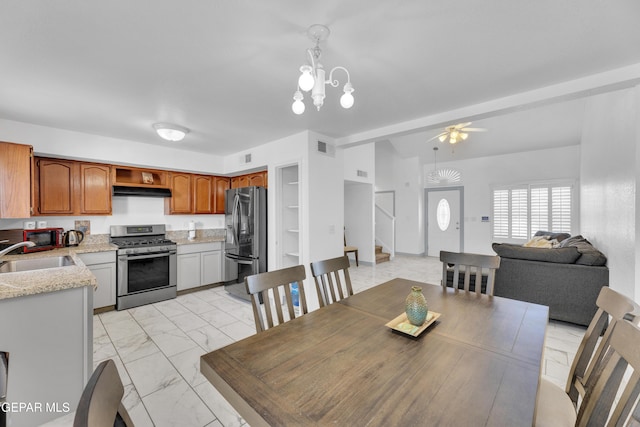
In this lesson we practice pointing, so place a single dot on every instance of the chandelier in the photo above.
(312, 77)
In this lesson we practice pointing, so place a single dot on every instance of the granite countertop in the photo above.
(23, 283)
(204, 239)
(18, 284)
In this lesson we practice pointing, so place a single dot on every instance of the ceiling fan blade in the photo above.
(473, 129)
(437, 136)
(462, 125)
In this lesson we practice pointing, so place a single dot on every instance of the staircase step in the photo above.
(382, 257)
(378, 249)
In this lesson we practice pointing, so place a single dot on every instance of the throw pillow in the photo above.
(560, 256)
(557, 236)
(589, 255)
(539, 242)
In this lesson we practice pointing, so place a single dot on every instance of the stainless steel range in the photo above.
(146, 269)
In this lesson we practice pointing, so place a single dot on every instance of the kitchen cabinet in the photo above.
(67, 187)
(199, 264)
(50, 339)
(16, 176)
(240, 181)
(180, 200)
(220, 187)
(139, 177)
(203, 194)
(258, 179)
(55, 187)
(95, 189)
(103, 266)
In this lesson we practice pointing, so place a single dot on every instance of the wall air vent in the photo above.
(363, 174)
(247, 158)
(326, 149)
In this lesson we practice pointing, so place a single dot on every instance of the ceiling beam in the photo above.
(608, 81)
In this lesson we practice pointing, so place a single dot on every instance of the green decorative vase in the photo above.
(416, 306)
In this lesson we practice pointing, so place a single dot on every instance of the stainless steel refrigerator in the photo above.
(245, 249)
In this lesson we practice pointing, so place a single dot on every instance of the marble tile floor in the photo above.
(157, 347)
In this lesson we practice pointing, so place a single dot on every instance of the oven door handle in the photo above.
(154, 255)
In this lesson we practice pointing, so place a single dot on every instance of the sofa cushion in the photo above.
(567, 255)
(588, 254)
(557, 236)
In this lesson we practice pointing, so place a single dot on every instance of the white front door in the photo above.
(443, 222)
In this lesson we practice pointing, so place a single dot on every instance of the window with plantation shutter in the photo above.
(501, 213)
(520, 211)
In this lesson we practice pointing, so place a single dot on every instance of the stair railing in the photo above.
(385, 230)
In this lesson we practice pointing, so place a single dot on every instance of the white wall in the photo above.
(126, 210)
(358, 199)
(358, 219)
(609, 175)
(76, 145)
(481, 174)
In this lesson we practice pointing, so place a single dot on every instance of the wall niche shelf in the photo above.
(138, 177)
(288, 208)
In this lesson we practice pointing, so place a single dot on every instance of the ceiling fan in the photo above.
(456, 133)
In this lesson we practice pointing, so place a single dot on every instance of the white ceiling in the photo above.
(227, 69)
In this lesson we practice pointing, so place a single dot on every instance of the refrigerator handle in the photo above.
(236, 206)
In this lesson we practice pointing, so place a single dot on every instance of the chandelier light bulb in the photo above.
(306, 80)
(464, 135)
(298, 106)
(346, 100)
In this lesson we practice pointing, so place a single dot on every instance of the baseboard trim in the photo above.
(420, 255)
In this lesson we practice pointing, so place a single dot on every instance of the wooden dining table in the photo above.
(478, 365)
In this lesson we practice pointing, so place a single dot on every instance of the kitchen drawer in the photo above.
(91, 258)
(199, 247)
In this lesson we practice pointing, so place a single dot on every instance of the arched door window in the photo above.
(443, 214)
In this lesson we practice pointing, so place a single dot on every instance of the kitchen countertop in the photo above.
(18, 284)
(23, 283)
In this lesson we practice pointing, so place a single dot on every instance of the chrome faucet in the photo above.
(12, 247)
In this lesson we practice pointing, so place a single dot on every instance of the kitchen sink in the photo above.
(36, 264)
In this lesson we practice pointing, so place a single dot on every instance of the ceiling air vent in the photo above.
(326, 149)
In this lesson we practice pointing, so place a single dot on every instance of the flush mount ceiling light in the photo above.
(170, 132)
(312, 77)
(456, 133)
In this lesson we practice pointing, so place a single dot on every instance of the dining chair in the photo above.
(258, 287)
(611, 401)
(614, 399)
(553, 401)
(101, 400)
(464, 263)
(350, 249)
(329, 284)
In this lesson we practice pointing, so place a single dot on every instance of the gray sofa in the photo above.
(567, 279)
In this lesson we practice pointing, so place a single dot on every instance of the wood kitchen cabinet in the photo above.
(258, 179)
(55, 186)
(95, 189)
(220, 187)
(203, 194)
(180, 200)
(16, 176)
(66, 187)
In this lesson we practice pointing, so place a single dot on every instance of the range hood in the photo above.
(121, 190)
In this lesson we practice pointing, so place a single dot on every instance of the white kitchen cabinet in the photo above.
(188, 270)
(103, 266)
(199, 264)
(49, 337)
